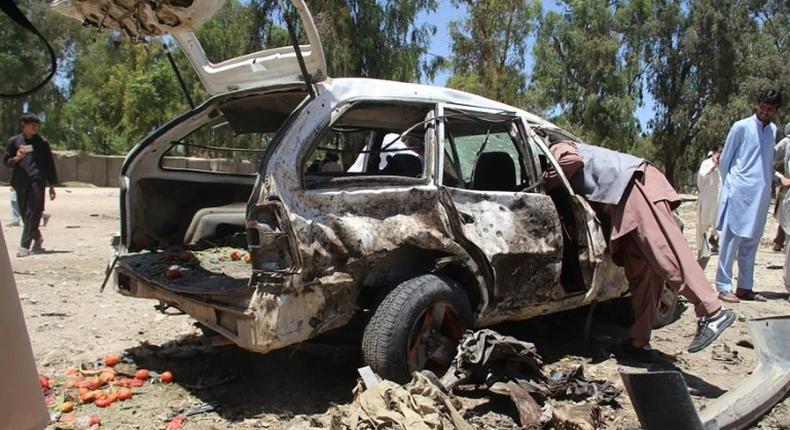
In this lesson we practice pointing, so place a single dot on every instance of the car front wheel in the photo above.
(417, 326)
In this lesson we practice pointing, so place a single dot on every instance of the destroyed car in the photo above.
(415, 209)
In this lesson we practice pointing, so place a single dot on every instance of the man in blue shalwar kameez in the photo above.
(747, 172)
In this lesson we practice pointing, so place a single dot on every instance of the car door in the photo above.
(265, 68)
(601, 277)
(489, 183)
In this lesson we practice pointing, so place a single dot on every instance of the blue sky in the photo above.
(440, 45)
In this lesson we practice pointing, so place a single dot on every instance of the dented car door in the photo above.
(490, 186)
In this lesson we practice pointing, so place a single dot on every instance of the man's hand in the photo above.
(785, 182)
(20, 154)
(53, 194)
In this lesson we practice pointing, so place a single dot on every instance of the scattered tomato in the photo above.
(94, 421)
(142, 374)
(136, 383)
(87, 397)
(72, 371)
(247, 258)
(173, 272)
(103, 402)
(122, 382)
(91, 384)
(111, 360)
(106, 376)
(66, 407)
(124, 394)
(176, 423)
(235, 255)
(166, 377)
(184, 256)
(44, 382)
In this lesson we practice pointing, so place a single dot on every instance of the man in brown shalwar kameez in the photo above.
(645, 240)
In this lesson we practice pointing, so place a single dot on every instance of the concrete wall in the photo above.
(104, 170)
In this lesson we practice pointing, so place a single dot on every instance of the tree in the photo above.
(587, 72)
(374, 39)
(693, 61)
(489, 47)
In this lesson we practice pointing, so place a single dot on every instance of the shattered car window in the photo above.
(217, 148)
(371, 140)
(234, 140)
(482, 153)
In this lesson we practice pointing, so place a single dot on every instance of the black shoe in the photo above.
(709, 329)
(627, 351)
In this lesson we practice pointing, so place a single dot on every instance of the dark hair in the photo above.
(716, 147)
(771, 97)
(29, 117)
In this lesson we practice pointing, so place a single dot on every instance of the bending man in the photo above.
(637, 201)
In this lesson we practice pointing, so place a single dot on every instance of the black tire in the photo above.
(398, 331)
(666, 312)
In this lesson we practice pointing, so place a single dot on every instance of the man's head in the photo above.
(767, 104)
(787, 129)
(30, 124)
(717, 149)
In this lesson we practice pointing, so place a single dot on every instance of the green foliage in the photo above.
(490, 47)
(701, 62)
(111, 92)
(586, 72)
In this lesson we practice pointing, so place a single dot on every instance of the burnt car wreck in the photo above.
(419, 210)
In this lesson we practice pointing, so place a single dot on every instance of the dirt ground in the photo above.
(70, 321)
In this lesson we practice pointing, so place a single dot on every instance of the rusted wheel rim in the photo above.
(434, 338)
(666, 301)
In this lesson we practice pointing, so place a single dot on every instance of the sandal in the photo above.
(729, 297)
(750, 295)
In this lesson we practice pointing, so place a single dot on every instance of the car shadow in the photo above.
(243, 384)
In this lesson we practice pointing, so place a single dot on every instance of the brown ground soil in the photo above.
(70, 321)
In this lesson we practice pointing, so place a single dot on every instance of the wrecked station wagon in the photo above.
(415, 209)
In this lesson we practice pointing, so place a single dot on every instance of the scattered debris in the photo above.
(745, 343)
(586, 416)
(774, 266)
(418, 405)
(507, 366)
(369, 378)
(185, 412)
(723, 353)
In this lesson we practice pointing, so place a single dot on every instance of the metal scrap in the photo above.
(508, 366)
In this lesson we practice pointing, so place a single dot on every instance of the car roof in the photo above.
(347, 89)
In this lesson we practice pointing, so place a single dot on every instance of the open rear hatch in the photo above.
(140, 20)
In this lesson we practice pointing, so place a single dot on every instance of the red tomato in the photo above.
(87, 396)
(184, 256)
(124, 394)
(142, 374)
(136, 383)
(94, 421)
(44, 382)
(235, 255)
(91, 384)
(106, 375)
(103, 402)
(166, 377)
(111, 359)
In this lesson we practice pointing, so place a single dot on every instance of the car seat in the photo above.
(494, 171)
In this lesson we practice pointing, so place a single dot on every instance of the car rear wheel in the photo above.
(417, 326)
(667, 307)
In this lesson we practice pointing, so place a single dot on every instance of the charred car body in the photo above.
(420, 207)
